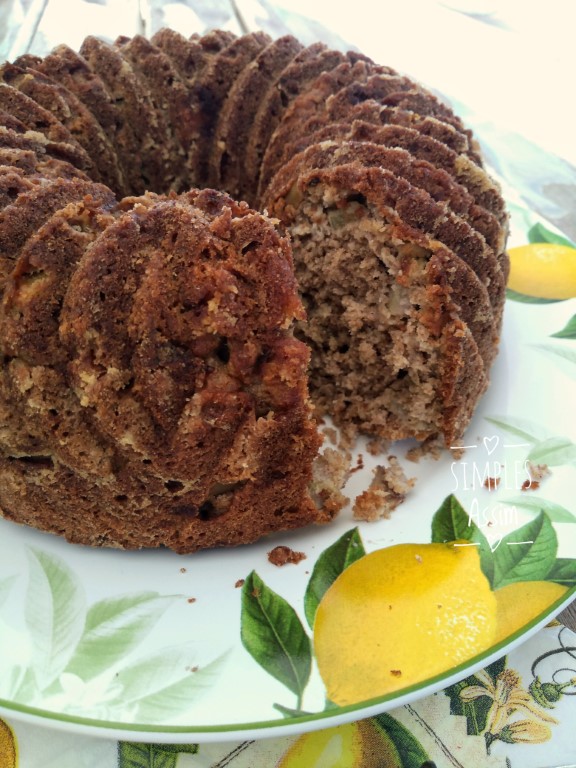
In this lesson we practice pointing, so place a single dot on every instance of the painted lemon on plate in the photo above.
(519, 603)
(543, 270)
(7, 747)
(400, 615)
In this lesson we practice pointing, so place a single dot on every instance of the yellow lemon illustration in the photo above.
(519, 603)
(7, 747)
(400, 615)
(354, 745)
(544, 270)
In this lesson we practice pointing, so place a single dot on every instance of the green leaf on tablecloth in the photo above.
(329, 566)
(476, 710)
(165, 684)
(410, 753)
(55, 612)
(556, 512)
(274, 636)
(523, 298)
(569, 330)
(451, 523)
(134, 755)
(541, 234)
(563, 572)
(114, 627)
(526, 554)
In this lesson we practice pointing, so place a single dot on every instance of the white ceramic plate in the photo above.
(147, 645)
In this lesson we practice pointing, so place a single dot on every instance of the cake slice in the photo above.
(294, 78)
(386, 300)
(30, 210)
(139, 137)
(237, 114)
(210, 90)
(68, 68)
(73, 114)
(311, 102)
(170, 99)
(36, 118)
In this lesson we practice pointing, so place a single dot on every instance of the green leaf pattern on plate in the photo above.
(114, 627)
(6, 587)
(545, 448)
(538, 233)
(82, 660)
(451, 523)
(557, 351)
(526, 554)
(328, 567)
(134, 755)
(569, 330)
(273, 634)
(55, 610)
(556, 512)
(563, 572)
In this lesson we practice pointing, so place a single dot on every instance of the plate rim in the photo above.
(186, 734)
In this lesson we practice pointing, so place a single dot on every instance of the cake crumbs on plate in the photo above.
(331, 434)
(359, 464)
(376, 446)
(536, 473)
(432, 447)
(282, 555)
(329, 475)
(492, 483)
(387, 491)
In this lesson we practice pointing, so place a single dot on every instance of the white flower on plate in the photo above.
(92, 698)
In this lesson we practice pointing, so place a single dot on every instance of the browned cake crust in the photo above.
(236, 117)
(70, 111)
(139, 137)
(181, 386)
(294, 79)
(210, 89)
(158, 342)
(170, 98)
(71, 70)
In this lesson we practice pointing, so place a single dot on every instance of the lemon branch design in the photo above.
(522, 571)
(83, 659)
(544, 270)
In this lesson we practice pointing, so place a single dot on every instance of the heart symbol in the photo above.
(491, 443)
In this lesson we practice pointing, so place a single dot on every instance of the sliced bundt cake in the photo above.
(161, 344)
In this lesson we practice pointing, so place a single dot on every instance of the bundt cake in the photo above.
(165, 350)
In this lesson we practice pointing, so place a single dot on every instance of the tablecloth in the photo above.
(520, 711)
